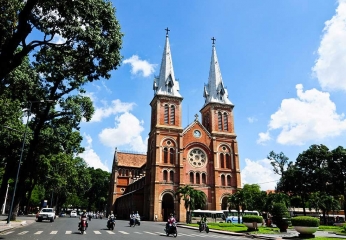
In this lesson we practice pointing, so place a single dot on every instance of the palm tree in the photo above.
(184, 193)
(192, 198)
(238, 201)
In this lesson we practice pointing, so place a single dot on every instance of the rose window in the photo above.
(197, 158)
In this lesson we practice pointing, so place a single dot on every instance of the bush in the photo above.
(305, 221)
(253, 218)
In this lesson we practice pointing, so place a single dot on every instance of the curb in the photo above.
(235, 234)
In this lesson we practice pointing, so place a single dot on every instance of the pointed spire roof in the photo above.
(165, 83)
(215, 91)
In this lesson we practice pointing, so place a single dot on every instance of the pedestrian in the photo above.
(155, 217)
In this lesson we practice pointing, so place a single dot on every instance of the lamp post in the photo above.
(21, 154)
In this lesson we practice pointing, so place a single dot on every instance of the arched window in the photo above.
(165, 155)
(223, 182)
(191, 177)
(172, 115)
(198, 180)
(228, 161)
(219, 118)
(164, 175)
(171, 156)
(225, 122)
(126, 173)
(228, 180)
(204, 178)
(222, 161)
(166, 114)
(171, 176)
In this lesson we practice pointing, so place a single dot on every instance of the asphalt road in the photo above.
(67, 228)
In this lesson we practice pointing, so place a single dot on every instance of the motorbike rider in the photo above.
(170, 221)
(203, 220)
(133, 217)
(83, 217)
(137, 217)
(111, 218)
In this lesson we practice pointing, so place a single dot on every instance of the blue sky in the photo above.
(283, 63)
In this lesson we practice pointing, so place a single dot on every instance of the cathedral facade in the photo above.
(203, 155)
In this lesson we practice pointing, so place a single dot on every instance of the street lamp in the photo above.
(21, 153)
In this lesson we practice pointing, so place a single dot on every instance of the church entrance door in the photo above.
(224, 203)
(167, 206)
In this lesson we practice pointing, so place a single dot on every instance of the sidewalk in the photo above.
(290, 234)
(4, 226)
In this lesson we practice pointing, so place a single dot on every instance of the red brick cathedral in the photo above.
(203, 155)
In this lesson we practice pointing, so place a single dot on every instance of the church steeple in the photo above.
(165, 83)
(214, 91)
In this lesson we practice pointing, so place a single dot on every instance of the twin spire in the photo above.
(167, 84)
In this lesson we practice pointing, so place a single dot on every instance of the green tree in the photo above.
(98, 193)
(279, 162)
(89, 30)
(337, 168)
(90, 48)
(192, 198)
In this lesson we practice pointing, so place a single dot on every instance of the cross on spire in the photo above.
(196, 117)
(167, 30)
(213, 39)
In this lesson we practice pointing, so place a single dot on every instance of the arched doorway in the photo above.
(167, 206)
(224, 203)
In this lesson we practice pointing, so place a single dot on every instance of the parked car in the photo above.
(73, 214)
(46, 214)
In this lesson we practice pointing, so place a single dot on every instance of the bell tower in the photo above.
(217, 118)
(166, 126)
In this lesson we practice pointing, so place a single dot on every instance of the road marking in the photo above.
(150, 233)
(138, 232)
(53, 232)
(22, 233)
(110, 232)
(160, 233)
(6, 233)
(123, 232)
(38, 232)
(97, 232)
(68, 232)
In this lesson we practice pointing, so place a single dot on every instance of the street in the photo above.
(66, 228)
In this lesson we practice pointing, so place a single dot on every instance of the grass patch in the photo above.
(238, 228)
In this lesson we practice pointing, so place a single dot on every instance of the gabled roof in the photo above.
(193, 124)
(130, 159)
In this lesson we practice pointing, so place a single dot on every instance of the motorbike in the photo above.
(111, 223)
(138, 221)
(172, 230)
(83, 225)
(90, 217)
(203, 227)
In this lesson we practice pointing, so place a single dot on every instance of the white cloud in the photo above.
(126, 133)
(330, 67)
(259, 172)
(140, 66)
(310, 117)
(116, 107)
(90, 157)
(252, 119)
(263, 137)
(58, 39)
